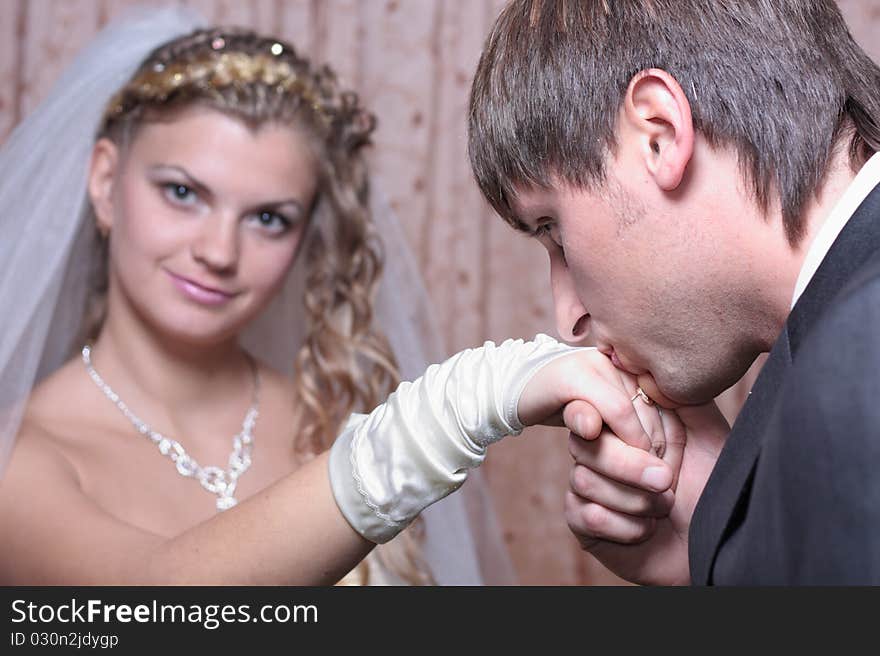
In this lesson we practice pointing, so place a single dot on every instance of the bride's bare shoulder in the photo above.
(54, 410)
(38, 464)
(58, 531)
(59, 401)
(38, 460)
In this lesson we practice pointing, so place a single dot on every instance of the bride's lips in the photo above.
(201, 293)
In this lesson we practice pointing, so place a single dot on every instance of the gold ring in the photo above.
(640, 394)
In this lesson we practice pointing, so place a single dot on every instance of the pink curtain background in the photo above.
(412, 62)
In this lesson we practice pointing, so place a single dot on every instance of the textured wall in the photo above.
(411, 60)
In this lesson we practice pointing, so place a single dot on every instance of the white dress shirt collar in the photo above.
(862, 185)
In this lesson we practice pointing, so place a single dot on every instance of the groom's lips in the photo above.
(611, 353)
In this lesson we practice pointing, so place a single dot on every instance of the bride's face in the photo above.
(205, 217)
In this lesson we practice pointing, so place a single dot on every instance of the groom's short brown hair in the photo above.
(780, 81)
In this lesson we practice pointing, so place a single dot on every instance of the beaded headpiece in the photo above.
(215, 70)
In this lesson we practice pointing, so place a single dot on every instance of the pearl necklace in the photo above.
(214, 479)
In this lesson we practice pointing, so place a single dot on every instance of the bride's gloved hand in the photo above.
(416, 448)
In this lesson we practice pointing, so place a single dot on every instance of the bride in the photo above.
(155, 251)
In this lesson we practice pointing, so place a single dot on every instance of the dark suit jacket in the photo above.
(795, 495)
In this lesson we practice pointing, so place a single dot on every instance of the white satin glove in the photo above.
(414, 449)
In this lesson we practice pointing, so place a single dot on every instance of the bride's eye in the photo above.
(179, 194)
(272, 222)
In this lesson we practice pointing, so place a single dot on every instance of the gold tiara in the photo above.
(157, 82)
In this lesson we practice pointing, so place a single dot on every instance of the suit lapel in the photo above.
(728, 485)
(725, 486)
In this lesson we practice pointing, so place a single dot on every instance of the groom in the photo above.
(703, 177)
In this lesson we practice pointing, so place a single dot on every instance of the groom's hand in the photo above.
(617, 505)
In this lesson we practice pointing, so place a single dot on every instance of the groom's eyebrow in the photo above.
(521, 226)
(513, 219)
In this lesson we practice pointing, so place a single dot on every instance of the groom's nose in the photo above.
(572, 318)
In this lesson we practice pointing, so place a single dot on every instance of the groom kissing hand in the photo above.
(705, 194)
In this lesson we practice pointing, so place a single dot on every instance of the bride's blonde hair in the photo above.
(344, 364)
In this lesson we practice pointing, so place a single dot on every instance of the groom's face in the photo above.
(644, 282)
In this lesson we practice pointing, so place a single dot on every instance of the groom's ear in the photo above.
(657, 117)
(102, 177)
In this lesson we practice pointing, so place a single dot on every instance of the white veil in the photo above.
(47, 249)
(46, 245)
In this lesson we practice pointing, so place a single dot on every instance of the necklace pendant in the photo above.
(213, 479)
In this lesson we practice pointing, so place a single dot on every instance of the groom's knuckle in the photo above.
(642, 505)
(641, 531)
(632, 531)
(596, 518)
(582, 481)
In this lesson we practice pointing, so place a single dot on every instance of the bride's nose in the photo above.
(216, 245)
